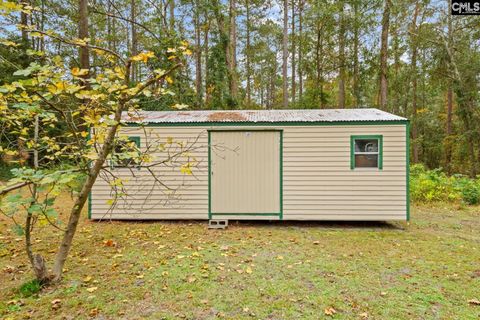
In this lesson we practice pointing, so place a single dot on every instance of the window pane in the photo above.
(366, 160)
(366, 145)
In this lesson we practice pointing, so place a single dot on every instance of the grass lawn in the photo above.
(429, 269)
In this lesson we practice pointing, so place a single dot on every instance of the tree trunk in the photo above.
(198, 55)
(300, 50)
(83, 52)
(413, 74)
(319, 61)
(36, 260)
(83, 33)
(285, 54)
(233, 50)
(383, 91)
(171, 8)
(341, 57)
(134, 50)
(247, 53)
(76, 210)
(449, 131)
(293, 53)
(356, 76)
(24, 22)
(205, 45)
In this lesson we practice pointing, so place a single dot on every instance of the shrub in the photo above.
(435, 185)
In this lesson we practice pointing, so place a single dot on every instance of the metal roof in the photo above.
(297, 115)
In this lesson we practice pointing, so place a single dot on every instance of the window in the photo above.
(366, 152)
(120, 157)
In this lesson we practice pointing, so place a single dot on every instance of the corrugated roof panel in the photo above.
(297, 115)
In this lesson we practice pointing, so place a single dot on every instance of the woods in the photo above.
(409, 57)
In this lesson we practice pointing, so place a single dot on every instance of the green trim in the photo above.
(135, 139)
(281, 174)
(249, 214)
(407, 136)
(210, 213)
(209, 177)
(380, 149)
(266, 124)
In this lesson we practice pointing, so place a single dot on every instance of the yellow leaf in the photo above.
(180, 106)
(144, 56)
(279, 257)
(330, 311)
(169, 79)
(87, 279)
(9, 43)
(79, 72)
(171, 57)
(171, 50)
(249, 270)
(92, 289)
(187, 52)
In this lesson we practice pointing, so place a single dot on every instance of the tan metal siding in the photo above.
(318, 183)
(188, 194)
(245, 172)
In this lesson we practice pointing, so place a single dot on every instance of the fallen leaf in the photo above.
(87, 279)
(330, 311)
(279, 257)
(93, 312)
(249, 270)
(316, 242)
(363, 315)
(92, 289)
(109, 243)
(56, 304)
(475, 302)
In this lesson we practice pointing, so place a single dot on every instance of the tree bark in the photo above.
(383, 87)
(285, 54)
(356, 76)
(134, 50)
(341, 57)
(233, 50)
(293, 40)
(198, 55)
(24, 22)
(205, 48)
(171, 8)
(247, 53)
(76, 210)
(413, 59)
(83, 33)
(449, 130)
(300, 50)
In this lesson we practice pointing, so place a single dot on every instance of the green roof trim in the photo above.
(265, 124)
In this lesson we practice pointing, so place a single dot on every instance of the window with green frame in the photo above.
(119, 159)
(366, 151)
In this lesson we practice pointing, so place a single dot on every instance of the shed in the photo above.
(329, 164)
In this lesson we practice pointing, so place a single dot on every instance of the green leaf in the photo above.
(18, 229)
